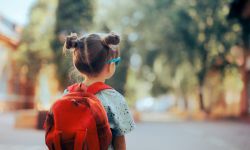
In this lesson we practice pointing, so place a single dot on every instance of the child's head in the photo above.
(91, 53)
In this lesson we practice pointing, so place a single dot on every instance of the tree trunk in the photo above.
(244, 93)
(201, 98)
(185, 100)
(244, 103)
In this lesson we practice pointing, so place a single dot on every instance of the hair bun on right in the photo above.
(112, 38)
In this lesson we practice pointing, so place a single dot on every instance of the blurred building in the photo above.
(9, 39)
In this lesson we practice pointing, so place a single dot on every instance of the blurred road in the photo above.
(19, 139)
(221, 135)
(190, 136)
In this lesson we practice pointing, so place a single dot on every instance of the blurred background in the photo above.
(185, 68)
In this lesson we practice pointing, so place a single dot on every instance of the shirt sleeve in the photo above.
(120, 118)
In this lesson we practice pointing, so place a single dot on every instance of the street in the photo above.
(190, 136)
(222, 135)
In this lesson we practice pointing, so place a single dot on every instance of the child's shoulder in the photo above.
(120, 118)
(111, 93)
(111, 97)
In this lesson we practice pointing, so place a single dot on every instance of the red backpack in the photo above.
(78, 121)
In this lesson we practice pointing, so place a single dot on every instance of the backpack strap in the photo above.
(80, 139)
(93, 88)
(57, 140)
(97, 87)
(76, 87)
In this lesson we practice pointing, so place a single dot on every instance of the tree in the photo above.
(173, 39)
(71, 16)
(205, 36)
(196, 32)
(240, 11)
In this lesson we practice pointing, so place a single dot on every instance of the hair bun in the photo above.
(112, 38)
(71, 41)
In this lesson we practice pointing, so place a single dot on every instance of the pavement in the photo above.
(175, 135)
(220, 135)
(19, 139)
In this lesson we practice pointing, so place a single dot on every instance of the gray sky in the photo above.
(16, 11)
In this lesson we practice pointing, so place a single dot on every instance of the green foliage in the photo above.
(74, 16)
(205, 35)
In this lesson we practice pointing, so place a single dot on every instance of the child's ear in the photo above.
(110, 69)
(107, 68)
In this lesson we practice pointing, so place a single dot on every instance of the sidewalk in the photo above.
(19, 139)
(170, 133)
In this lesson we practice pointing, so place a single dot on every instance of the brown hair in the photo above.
(91, 52)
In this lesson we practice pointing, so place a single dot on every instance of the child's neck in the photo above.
(90, 80)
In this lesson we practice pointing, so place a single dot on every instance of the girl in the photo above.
(95, 56)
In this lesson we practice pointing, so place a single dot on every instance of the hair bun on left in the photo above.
(71, 41)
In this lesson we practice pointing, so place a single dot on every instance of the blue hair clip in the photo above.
(114, 60)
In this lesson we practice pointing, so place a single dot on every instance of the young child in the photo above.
(96, 56)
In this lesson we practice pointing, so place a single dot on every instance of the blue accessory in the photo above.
(114, 60)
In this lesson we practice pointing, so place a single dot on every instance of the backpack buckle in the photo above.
(75, 102)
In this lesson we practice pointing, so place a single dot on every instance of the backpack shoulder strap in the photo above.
(93, 88)
(76, 87)
(97, 87)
